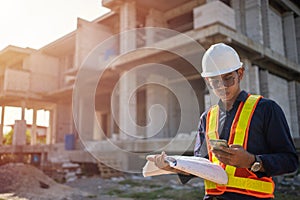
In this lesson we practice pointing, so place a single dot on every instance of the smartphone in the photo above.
(216, 144)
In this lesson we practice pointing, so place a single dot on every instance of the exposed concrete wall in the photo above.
(64, 121)
(239, 9)
(16, 80)
(297, 88)
(254, 27)
(66, 62)
(155, 18)
(157, 108)
(44, 72)
(86, 118)
(294, 101)
(127, 105)
(187, 112)
(214, 12)
(254, 79)
(289, 31)
(275, 31)
(128, 20)
(245, 83)
(250, 82)
(265, 22)
(279, 92)
(264, 84)
(297, 28)
(88, 36)
(19, 136)
(173, 115)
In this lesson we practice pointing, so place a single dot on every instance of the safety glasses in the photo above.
(216, 83)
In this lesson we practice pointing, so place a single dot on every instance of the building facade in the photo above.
(265, 33)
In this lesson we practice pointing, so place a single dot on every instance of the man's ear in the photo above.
(241, 73)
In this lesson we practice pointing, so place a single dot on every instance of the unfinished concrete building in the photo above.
(265, 33)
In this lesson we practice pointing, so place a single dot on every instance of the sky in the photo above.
(36, 23)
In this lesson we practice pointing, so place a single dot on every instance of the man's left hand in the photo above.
(235, 155)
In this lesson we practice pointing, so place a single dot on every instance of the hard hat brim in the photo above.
(221, 72)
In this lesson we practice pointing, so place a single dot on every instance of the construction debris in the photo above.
(28, 182)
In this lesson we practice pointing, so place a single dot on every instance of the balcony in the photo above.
(14, 81)
(23, 83)
(212, 13)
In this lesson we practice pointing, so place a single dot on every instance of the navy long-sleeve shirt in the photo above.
(269, 136)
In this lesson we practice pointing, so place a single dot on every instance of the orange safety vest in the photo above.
(240, 180)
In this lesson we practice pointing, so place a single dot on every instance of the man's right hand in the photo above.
(159, 161)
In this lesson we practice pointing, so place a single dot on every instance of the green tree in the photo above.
(8, 138)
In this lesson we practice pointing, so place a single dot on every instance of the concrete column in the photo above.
(254, 81)
(297, 30)
(127, 22)
(245, 82)
(279, 92)
(239, 9)
(265, 22)
(297, 88)
(23, 106)
(250, 82)
(289, 32)
(155, 18)
(52, 130)
(34, 128)
(293, 109)
(19, 137)
(114, 125)
(2, 124)
(127, 105)
(157, 95)
(86, 119)
(276, 31)
(98, 133)
(253, 15)
(264, 84)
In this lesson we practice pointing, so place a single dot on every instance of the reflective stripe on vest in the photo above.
(263, 187)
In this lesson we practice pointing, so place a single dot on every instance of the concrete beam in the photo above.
(287, 68)
(291, 6)
(180, 10)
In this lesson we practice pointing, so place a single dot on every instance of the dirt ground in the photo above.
(25, 182)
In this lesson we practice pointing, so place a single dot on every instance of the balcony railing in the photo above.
(215, 12)
(19, 82)
(16, 80)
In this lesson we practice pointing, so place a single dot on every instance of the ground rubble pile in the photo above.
(27, 182)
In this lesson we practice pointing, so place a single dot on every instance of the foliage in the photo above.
(8, 138)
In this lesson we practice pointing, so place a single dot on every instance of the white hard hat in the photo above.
(220, 59)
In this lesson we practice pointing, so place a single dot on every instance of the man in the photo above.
(260, 144)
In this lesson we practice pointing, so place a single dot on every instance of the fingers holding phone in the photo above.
(218, 144)
(219, 147)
